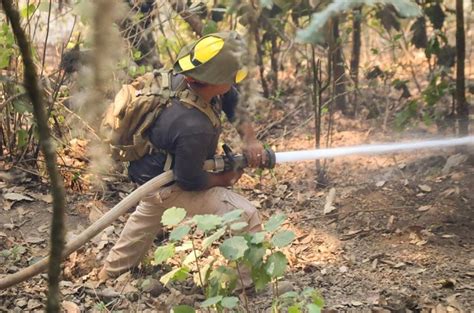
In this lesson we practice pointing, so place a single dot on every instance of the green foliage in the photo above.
(183, 309)
(314, 33)
(173, 216)
(7, 42)
(234, 248)
(410, 112)
(258, 252)
(179, 232)
(163, 253)
(294, 302)
(207, 222)
(283, 238)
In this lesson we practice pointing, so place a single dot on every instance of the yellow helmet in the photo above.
(213, 59)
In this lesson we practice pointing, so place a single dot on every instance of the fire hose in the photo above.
(226, 162)
(219, 163)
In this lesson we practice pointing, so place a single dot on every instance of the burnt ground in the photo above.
(399, 238)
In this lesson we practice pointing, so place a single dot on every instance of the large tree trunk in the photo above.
(462, 107)
(338, 69)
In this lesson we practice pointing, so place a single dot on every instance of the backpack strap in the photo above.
(190, 99)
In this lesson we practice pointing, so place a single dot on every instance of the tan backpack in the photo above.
(134, 109)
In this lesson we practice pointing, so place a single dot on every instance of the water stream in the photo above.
(306, 155)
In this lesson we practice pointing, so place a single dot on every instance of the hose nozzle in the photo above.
(231, 161)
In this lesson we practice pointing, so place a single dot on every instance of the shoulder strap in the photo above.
(187, 97)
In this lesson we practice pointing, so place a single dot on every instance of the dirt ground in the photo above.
(399, 236)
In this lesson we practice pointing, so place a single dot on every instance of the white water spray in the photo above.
(306, 155)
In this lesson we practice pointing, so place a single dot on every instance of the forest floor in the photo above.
(399, 238)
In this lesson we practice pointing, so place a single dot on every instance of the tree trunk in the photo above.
(274, 62)
(462, 107)
(338, 69)
(356, 43)
(47, 146)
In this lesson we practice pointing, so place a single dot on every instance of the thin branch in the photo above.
(57, 188)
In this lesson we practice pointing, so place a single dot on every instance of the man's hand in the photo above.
(254, 153)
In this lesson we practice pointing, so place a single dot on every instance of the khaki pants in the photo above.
(145, 223)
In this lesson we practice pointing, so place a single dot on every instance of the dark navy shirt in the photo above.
(189, 136)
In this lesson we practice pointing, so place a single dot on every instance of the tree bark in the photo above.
(48, 148)
(338, 69)
(462, 107)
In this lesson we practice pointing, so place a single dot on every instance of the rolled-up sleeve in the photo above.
(230, 101)
(189, 158)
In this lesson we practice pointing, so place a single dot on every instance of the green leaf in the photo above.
(234, 248)
(313, 308)
(27, 11)
(289, 295)
(179, 232)
(22, 106)
(238, 226)
(275, 266)
(254, 255)
(314, 32)
(223, 275)
(229, 302)
(209, 28)
(294, 309)
(22, 138)
(213, 238)
(183, 309)
(317, 299)
(207, 222)
(274, 222)
(232, 216)
(173, 216)
(258, 237)
(283, 238)
(260, 278)
(163, 253)
(178, 274)
(211, 301)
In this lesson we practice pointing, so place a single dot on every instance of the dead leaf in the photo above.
(328, 207)
(70, 307)
(448, 236)
(452, 301)
(356, 303)
(34, 240)
(48, 198)
(2, 234)
(13, 196)
(424, 188)
(424, 208)
(94, 213)
(9, 226)
(380, 183)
